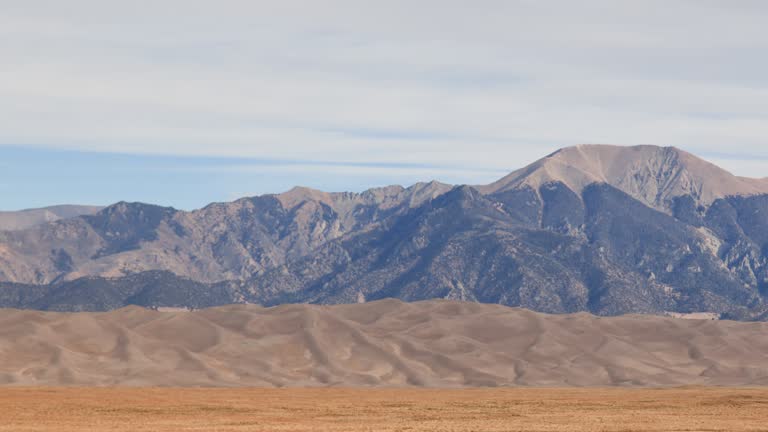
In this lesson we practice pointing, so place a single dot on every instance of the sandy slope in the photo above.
(435, 343)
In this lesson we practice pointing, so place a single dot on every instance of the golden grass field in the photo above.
(327, 409)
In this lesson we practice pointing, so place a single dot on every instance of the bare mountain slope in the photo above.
(436, 344)
(22, 219)
(234, 240)
(609, 230)
(653, 175)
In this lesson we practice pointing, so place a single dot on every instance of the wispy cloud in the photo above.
(426, 173)
(493, 84)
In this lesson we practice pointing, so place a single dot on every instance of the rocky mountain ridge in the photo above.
(605, 229)
(23, 219)
(653, 175)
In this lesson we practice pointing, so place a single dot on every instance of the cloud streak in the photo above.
(491, 85)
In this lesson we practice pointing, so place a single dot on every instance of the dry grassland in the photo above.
(184, 409)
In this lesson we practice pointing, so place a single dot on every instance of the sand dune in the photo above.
(387, 343)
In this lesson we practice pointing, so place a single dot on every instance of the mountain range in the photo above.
(605, 229)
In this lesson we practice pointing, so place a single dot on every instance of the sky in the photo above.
(186, 102)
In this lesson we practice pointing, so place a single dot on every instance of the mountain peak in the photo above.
(300, 194)
(27, 218)
(652, 174)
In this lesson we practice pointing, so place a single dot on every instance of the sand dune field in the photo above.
(385, 343)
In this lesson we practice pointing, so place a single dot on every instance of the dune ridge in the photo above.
(385, 343)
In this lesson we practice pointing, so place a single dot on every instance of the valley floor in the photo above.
(329, 409)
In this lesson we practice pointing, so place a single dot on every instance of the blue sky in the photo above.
(33, 177)
(182, 102)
